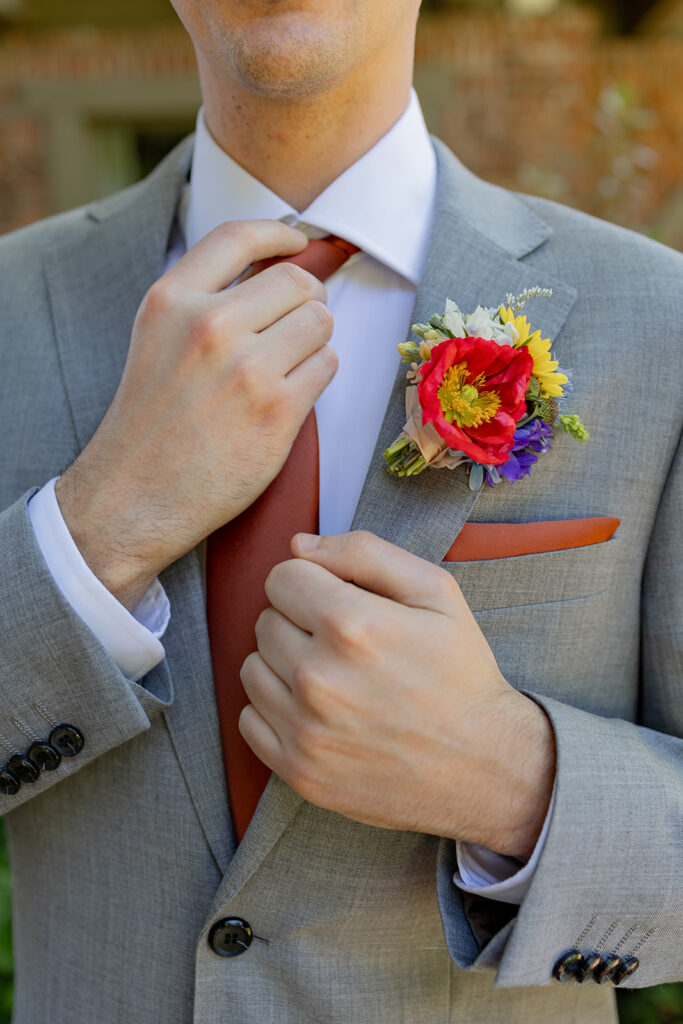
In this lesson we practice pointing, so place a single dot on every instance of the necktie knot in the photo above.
(321, 257)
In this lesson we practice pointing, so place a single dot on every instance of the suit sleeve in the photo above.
(54, 673)
(609, 877)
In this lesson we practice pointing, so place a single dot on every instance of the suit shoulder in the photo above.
(605, 253)
(21, 251)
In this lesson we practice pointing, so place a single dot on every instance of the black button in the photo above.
(629, 964)
(45, 756)
(22, 768)
(67, 740)
(569, 965)
(230, 936)
(591, 962)
(610, 963)
(9, 784)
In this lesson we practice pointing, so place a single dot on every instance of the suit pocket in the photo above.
(562, 623)
(485, 541)
(539, 578)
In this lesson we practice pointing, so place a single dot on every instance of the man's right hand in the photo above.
(216, 386)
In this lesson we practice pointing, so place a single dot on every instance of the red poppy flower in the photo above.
(473, 392)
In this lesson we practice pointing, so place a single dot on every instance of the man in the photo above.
(538, 736)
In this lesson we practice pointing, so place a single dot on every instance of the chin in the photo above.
(291, 55)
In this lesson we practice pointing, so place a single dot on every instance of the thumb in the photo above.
(380, 567)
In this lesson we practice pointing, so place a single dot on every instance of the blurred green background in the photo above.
(580, 103)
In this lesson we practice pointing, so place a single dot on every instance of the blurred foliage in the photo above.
(661, 1005)
(619, 15)
(5, 933)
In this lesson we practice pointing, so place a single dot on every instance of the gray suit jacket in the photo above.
(123, 856)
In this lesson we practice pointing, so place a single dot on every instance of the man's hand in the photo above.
(374, 694)
(215, 388)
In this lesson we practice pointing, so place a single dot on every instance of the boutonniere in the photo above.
(484, 390)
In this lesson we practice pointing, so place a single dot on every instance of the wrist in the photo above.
(106, 545)
(529, 758)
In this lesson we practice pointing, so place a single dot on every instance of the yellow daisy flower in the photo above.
(545, 367)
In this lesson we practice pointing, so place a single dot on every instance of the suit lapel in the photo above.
(96, 281)
(480, 235)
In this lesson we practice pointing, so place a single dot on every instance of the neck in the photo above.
(299, 147)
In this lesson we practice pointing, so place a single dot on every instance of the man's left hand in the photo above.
(375, 694)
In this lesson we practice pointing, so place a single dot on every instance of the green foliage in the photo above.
(662, 1005)
(5, 933)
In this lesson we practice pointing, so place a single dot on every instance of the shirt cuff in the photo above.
(131, 639)
(495, 876)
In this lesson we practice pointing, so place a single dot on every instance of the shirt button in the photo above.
(9, 784)
(66, 739)
(22, 768)
(230, 936)
(45, 756)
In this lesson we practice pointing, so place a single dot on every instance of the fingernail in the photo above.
(308, 541)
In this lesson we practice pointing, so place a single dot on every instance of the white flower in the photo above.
(479, 324)
(506, 334)
(453, 320)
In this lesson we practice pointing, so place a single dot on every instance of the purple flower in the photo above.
(532, 438)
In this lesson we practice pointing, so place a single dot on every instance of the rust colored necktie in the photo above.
(239, 557)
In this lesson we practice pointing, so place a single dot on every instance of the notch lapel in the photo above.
(96, 281)
(479, 237)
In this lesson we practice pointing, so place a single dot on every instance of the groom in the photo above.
(464, 789)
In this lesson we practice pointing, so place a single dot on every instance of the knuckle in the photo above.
(239, 232)
(349, 630)
(302, 782)
(309, 685)
(249, 666)
(262, 622)
(363, 543)
(277, 575)
(160, 298)
(320, 314)
(445, 585)
(248, 375)
(296, 275)
(207, 332)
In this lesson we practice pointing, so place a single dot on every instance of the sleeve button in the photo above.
(9, 784)
(67, 740)
(23, 769)
(629, 964)
(590, 964)
(610, 963)
(45, 756)
(568, 966)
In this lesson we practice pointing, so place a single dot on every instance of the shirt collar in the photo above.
(383, 202)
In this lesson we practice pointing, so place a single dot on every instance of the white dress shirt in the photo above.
(383, 203)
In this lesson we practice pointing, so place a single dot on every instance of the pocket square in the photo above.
(482, 541)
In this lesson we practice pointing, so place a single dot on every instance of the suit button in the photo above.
(569, 966)
(9, 784)
(45, 756)
(66, 739)
(230, 936)
(590, 964)
(22, 768)
(629, 964)
(610, 963)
